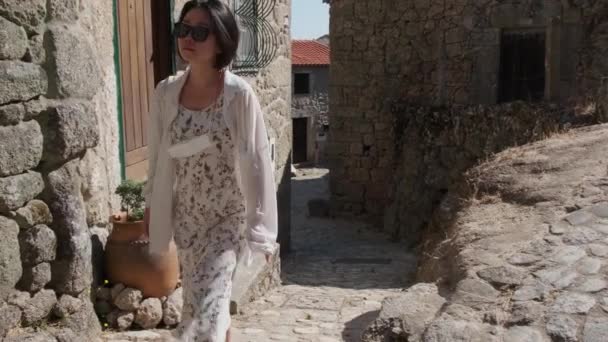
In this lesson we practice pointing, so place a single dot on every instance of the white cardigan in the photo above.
(245, 120)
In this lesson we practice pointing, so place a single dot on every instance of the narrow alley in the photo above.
(333, 281)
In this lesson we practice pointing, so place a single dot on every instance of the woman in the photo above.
(210, 180)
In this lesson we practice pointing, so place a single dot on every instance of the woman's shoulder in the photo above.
(171, 80)
(238, 84)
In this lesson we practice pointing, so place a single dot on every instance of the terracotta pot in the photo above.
(127, 260)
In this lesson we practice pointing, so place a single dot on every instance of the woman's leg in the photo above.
(208, 296)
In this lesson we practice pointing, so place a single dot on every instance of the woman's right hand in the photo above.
(147, 222)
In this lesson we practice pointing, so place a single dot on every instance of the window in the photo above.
(522, 66)
(301, 84)
(258, 40)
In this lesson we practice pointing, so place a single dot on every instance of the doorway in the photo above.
(300, 140)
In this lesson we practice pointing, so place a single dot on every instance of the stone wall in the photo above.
(272, 85)
(58, 162)
(439, 53)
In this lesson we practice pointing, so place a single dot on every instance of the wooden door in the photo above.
(145, 50)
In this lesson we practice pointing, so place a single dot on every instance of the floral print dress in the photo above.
(209, 216)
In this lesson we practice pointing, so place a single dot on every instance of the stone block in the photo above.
(64, 10)
(18, 298)
(11, 317)
(519, 333)
(21, 81)
(83, 322)
(95, 187)
(526, 313)
(13, 40)
(36, 107)
(412, 312)
(36, 52)
(30, 14)
(67, 305)
(172, 308)
(40, 336)
(115, 291)
(11, 114)
(69, 130)
(562, 328)
(65, 335)
(122, 320)
(129, 299)
(72, 271)
(503, 275)
(10, 260)
(596, 329)
(600, 210)
(448, 329)
(149, 314)
(475, 293)
(573, 303)
(65, 200)
(17, 190)
(38, 244)
(35, 278)
(39, 307)
(35, 212)
(76, 75)
(21, 148)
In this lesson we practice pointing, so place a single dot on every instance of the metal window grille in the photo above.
(258, 42)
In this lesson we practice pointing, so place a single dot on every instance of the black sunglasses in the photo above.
(198, 33)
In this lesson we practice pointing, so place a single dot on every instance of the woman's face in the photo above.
(192, 51)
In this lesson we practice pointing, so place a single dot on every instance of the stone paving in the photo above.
(553, 289)
(333, 281)
(567, 273)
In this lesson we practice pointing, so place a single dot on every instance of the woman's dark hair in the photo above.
(223, 26)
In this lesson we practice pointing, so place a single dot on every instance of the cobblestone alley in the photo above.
(333, 282)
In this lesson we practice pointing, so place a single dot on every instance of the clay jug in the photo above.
(127, 260)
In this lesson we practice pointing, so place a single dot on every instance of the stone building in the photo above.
(310, 87)
(74, 81)
(422, 90)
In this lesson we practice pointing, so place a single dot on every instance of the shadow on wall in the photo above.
(284, 208)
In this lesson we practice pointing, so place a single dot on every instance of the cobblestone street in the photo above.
(333, 281)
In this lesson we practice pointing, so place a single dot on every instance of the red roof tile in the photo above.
(309, 52)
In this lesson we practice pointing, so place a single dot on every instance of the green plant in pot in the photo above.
(127, 258)
(132, 201)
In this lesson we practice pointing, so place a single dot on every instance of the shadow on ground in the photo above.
(354, 328)
(339, 252)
